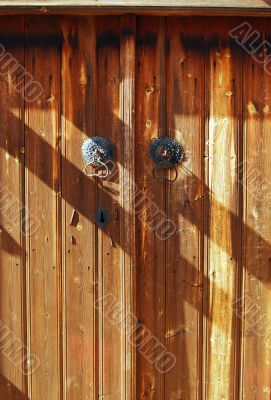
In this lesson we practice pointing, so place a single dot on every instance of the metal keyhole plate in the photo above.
(102, 217)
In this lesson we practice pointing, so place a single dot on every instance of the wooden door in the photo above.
(172, 299)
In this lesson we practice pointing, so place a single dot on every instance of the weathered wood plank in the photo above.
(185, 123)
(42, 119)
(127, 214)
(150, 200)
(100, 94)
(47, 5)
(178, 3)
(109, 196)
(255, 306)
(79, 194)
(12, 381)
(222, 229)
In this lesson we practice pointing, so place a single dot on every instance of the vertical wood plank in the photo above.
(12, 381)
(185, 123)
(150, 197)
(127, 180)
(109, 252)
(255, 306)
(79, 197)
(42, 190)
(222, 236)
(100, 93)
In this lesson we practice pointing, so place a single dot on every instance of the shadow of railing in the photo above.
(9, 391)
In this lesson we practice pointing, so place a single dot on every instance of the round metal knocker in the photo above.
(167, 153)
(97, 152)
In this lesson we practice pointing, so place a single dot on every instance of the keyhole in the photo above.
(102, 217)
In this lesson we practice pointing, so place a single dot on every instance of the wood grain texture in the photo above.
(254, 307)
(109, 195)
(185, 122)
(12, 381)
(40, 6)
(222, 229)
(179, 3)
(42, 119)
(79, 197)
(150, 202)
(204, 292)
(127, 215)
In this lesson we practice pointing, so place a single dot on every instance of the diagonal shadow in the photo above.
(9, 391)
(249, 233)
(77, 176)
(7, 243)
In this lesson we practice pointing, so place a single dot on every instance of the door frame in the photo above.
(255, 8)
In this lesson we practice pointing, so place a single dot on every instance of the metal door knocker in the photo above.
(167, 153)
(97, 152)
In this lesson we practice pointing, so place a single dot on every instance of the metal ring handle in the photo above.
(163, 178)
(104, 176)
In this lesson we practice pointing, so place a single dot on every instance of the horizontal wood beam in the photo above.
(254, 4)
(185, 7)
